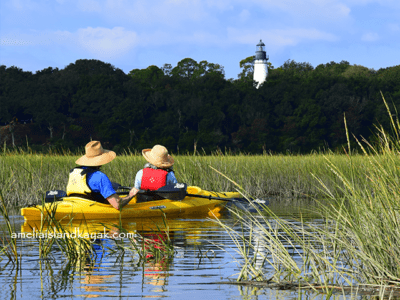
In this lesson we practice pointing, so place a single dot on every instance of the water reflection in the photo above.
(199, 264)
(259, 248)
(98, 272)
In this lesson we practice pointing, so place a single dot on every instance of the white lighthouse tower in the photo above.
(260, 64)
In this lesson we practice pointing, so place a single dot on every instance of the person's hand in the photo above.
(133, 192)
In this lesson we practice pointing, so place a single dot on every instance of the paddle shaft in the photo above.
(161, 194)
(170, 192)
(211, 197)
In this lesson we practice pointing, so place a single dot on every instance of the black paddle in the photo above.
(178, 192)
(54, 195)
(171, 192)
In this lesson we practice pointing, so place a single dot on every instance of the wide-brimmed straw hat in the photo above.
(158, 156)
(95, 155)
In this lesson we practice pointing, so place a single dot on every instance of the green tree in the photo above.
(205, 68)
(150, 77)
(185, 68)
(247, 66)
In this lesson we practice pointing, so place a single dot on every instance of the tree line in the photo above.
(192, 106)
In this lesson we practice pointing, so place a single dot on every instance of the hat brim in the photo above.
(102, 159)
(164, 164)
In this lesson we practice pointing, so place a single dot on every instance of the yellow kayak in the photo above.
(80, 208)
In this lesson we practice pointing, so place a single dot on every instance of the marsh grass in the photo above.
(356, 241)
(51, 236)
(25, 176)
(55, 236)
(74, 248)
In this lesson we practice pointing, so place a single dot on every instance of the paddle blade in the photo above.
(54, 195)
(252, 205)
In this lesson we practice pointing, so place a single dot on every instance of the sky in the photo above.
(132, 34)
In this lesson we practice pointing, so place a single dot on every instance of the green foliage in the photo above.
(247, 68)
(189, 69)
(298, 109)
(149, 77)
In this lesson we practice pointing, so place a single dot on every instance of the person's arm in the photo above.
(118, 203)
(138, 179)
(171, 179)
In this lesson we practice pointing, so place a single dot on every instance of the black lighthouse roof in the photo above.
(260, 51)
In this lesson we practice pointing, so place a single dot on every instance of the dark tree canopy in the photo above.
(299, 108)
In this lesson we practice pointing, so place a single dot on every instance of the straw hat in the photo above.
(95, 155)
(158, 156)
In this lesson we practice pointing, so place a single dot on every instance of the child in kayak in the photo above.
(157, 172)
(87, 181)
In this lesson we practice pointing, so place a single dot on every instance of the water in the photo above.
(204, 258)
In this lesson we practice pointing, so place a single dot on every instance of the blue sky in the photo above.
(36, 34)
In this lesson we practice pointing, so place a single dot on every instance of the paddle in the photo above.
(178, 191)
(173, 193)
(54, 195)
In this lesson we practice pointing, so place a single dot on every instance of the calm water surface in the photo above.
(195, 272)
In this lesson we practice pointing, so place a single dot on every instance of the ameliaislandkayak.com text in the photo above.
(35, 234)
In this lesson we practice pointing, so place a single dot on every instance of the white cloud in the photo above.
(100, 42)
(327, 10)
(279, 37)
(387, 3)
(22, 5)
(177, 11)
(89, 6)
(370, 37)
(394, 27)
(197, 38)
(167, 12)
(106, 43)
(220, 4)
(32, 38)
(17, 4)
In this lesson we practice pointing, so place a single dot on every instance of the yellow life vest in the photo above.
(77, 182)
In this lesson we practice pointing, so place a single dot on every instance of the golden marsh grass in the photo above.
(26, 176)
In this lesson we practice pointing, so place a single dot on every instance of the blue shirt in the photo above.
(171, 179)
(100, 183)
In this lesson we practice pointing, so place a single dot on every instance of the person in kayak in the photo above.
(87, 181)
(157, 172)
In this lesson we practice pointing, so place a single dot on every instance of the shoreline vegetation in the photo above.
(298, 109)
(355, 246)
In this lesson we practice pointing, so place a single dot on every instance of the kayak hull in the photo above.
(79, 208)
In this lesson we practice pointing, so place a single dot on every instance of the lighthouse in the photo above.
(260, 64)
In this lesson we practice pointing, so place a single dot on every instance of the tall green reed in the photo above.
(357, 237)
(9, 244)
